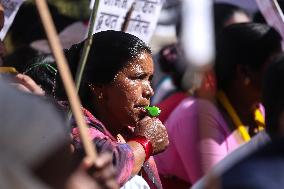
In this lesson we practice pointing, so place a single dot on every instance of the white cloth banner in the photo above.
(143, 20)
(273, 15)
(11, 8)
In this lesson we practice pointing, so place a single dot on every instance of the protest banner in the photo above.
(11, 8)
(142, 22)
(273, 15)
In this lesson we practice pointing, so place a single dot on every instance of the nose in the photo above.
(148, 91)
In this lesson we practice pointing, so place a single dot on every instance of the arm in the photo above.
(197, 138)
(213, 137)
(123, 156)
(129, 157)
(139, 156)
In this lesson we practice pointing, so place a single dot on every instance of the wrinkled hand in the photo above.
(98, 175)
(104, 172)
(27, 84)
(154, 130)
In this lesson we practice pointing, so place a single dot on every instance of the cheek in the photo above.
(126, 94)
(130, 90)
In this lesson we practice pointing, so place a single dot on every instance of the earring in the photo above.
(100, 96)
(91, 87)
(247, 81)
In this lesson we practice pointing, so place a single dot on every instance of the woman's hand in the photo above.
(98, 175)
(154, 130)
(27, 84)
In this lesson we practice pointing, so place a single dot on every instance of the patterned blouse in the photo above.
(123, 158)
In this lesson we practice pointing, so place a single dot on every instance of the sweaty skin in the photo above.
(122, 108)
(126, 96)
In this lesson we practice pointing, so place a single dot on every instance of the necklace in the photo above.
(258, 117)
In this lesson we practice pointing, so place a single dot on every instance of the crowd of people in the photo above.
(226, 133)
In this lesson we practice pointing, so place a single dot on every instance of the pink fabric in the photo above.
(199, 138)
(169, 104)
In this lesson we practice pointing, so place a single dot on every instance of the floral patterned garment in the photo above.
(122, 153)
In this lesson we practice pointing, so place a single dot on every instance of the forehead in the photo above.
(142, 63)
(237, 17)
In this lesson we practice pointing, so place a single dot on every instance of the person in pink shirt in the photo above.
(203, 132)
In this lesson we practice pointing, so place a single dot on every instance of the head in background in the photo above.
(171, 62)
(21, 58)
(27, 26)
(224, 15)
(43, 70)
(243, 53)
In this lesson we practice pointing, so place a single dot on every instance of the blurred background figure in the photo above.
(264, 168)
(36, 151)
(170, 64)
(207, 128)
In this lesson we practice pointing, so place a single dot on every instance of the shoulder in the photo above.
(196, 106)
(195, 114)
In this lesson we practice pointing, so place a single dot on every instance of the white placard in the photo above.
(11, 8)
(197, 32)
(273, 15)
(143, 21)
(92, 4)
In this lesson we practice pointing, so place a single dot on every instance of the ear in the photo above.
(99, 91)
(243, 74)
(242, 70)
(95, 89)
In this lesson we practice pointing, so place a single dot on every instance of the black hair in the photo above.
(27, 26)
(43, 71)
(20, 58)
(248, 44)
(171, 60)
(273, 94)
(110, 52)
(222, 13)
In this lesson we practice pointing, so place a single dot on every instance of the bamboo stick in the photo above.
(127, 18)
(87, 46)
(65, 76)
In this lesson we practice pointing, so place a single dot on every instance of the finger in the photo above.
(86, 163)
(103, 160)
(29, 83)
(111, 184)
(105, 174)
(145, 121)
(25, 80)
(20, 87)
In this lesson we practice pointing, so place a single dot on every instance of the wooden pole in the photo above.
(65, 76)
(127, 18)
(87, 46)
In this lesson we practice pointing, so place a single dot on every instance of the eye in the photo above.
(139, 77)
(151, 78)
